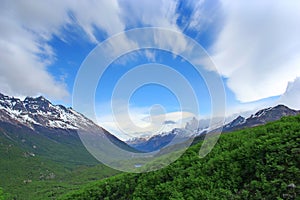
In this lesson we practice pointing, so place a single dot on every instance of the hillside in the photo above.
(255, 163)
(41, 154)
(27, 173)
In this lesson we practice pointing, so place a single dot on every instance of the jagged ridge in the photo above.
(40, 111)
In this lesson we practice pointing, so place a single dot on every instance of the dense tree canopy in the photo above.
(254, 163)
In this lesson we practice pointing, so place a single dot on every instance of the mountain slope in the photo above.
(262, 162)
(40, 140)
(29, 175)
(53, 122)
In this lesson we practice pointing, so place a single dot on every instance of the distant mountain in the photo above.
(159, 141)
(48, 130)
(261, 117)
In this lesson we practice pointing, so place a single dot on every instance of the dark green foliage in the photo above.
(1, 194)
(46, 171)
(4, 195)
(255, 163)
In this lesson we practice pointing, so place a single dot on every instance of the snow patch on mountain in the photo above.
(40, 111)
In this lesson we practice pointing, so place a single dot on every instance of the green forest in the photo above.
(255, 163)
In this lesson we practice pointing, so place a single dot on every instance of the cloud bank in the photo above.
(139, 121)
(25, 54)
(28, 27)
(291, 97)
(258, 48)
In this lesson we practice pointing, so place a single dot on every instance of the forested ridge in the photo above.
(255, 163)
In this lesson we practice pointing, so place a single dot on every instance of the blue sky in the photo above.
(254, 45)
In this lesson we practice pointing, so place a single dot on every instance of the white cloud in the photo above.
(26, 29)
(92, 15)
(150, 55)
(129, 121)
(291, 97)
(203, 13)
(161, 14)
(118, 45)
(258, 49)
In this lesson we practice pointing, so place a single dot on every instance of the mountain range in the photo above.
(259, 118)
(56, 123)
(40, 145)
(46, 129)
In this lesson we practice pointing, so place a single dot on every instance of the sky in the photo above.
(253, 46)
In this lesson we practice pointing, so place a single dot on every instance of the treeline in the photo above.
(255, 163)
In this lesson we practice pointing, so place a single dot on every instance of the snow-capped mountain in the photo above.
(236, 122)
(159, 141)
(39, 118)
(40, 111)
(261, 117)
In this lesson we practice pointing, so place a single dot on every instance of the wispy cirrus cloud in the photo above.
(258, 48)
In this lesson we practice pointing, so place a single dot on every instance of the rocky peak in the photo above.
(236, 122)
(40, 111)
(39, 103)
